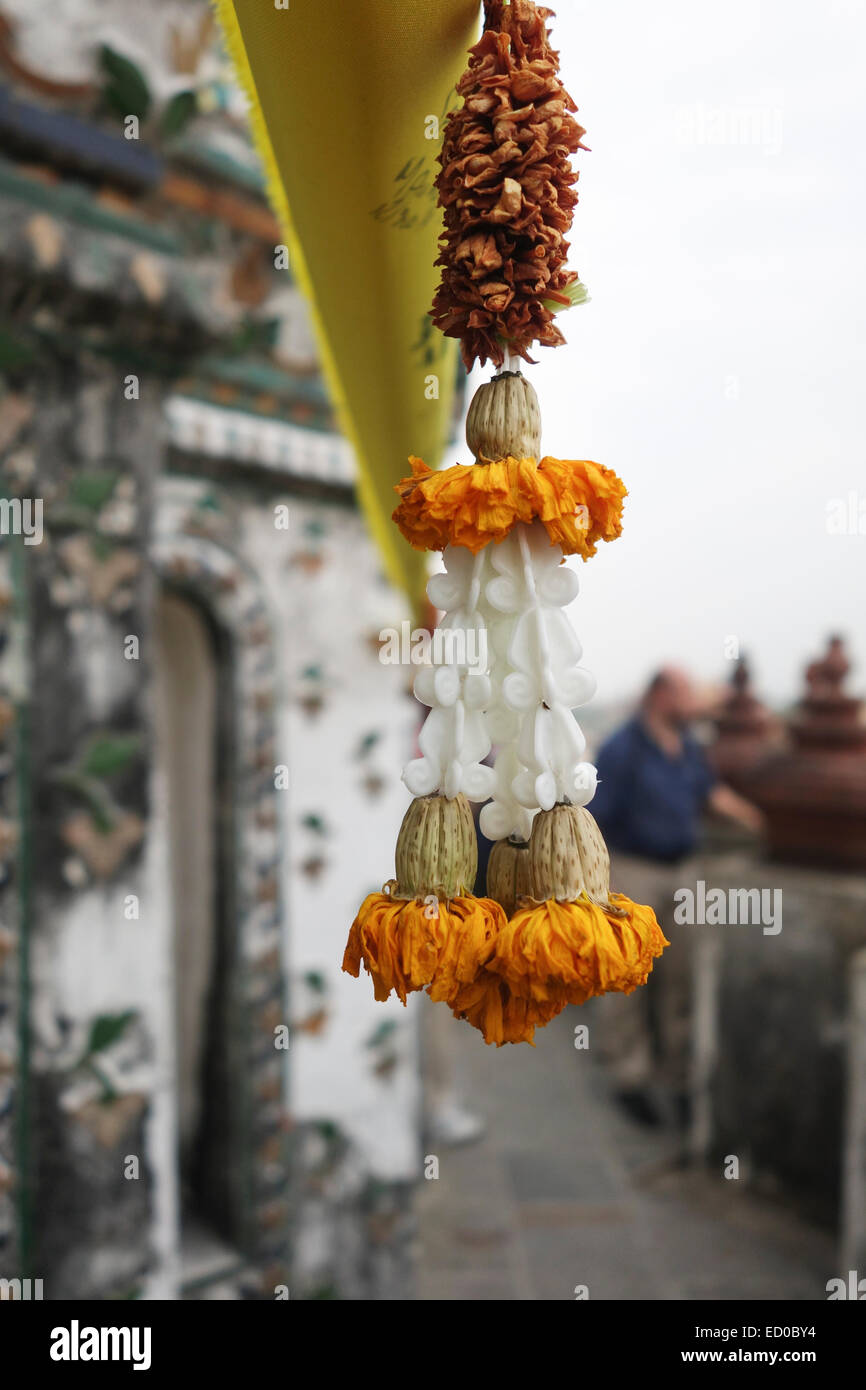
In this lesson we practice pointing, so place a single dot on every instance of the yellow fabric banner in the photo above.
(348, 101)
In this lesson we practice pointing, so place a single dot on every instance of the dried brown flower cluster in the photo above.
(507, 187)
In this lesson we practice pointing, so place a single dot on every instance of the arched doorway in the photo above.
(214, 712)
(191, 733)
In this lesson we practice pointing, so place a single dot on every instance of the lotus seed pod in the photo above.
(504, 419)
(508, 873)
(437, 849)
(555, 870)
(594, 858)
(568, 856)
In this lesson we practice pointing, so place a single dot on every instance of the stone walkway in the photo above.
(564, 1191)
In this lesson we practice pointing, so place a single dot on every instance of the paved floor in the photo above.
(565, 1191)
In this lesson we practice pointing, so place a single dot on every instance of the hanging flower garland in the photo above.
(551, 933)
(507, 189)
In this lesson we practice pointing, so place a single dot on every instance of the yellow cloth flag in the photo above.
(348, 101)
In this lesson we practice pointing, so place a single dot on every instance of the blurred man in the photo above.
(655, 781)
(654, 784)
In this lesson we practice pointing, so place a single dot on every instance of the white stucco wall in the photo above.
(326, 618)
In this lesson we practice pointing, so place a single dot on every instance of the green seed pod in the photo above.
(504, 419)
(508, 873)
(594, 858)
(568, 857)
(437, 849)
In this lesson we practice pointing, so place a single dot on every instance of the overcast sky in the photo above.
(721, 366)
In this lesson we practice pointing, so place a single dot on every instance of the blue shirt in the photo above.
(647, 802)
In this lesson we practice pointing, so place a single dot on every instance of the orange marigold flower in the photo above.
(405, 946)
(578, 502)
(569, 951)
(500, 1015)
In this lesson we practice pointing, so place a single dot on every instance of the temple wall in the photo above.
(777, 1036)
(331, 1122)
